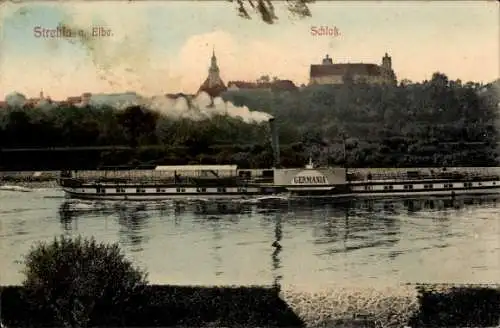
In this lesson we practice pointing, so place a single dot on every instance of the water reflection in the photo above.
(277, 249)
(215, 226)
(344, 218)
(217, 208)
(350, 231)
(132, 218)
(132, 225)
(416, 205)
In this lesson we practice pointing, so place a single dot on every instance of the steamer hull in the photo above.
(109, 193)
(404, 188)
(443, 193)
(289, 184)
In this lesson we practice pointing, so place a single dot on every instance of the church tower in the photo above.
(213, 84)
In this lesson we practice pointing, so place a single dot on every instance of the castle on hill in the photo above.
(329, 73)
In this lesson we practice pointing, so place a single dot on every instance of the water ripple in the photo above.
(244, 243)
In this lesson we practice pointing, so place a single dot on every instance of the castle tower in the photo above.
(213, 84)
(387, 72)
(387, 62)
(327, 61)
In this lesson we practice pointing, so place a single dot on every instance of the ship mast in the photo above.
(310, 165)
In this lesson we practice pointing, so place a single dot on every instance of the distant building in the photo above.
(34, 102)
(278, 85)
(85, 98)
(71, 101)
(82, 100)
(213, 85)
(330, 73)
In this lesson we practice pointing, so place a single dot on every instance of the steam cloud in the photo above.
(123, 62)
(198, 107)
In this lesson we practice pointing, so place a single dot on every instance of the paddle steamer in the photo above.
(229, 182)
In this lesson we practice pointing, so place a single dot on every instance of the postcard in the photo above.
(249, 163)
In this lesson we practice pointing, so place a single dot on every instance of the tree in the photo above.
(439, 116)
(18, 128)
(138, 122)
(405, 82)
(71, 280)
(265, 8)
(264, 79)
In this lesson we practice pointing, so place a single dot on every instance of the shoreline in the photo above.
(440, 305)
(49, 184)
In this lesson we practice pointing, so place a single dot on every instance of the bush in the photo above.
(457, 307)
(74, 282)
(174, 306)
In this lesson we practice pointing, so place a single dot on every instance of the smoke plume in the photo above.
(197, 107)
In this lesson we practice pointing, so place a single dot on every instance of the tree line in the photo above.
(437, 122)
(433, 123)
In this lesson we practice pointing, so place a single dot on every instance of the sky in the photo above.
(162, 47)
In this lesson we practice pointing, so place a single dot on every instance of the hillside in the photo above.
(434, 123)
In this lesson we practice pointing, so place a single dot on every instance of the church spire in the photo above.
(213, 85)
(213, 67)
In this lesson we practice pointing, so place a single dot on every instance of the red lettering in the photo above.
(325, 30)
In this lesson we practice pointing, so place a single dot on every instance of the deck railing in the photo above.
(171, 177)
(147, 174)
(462, 173)
(165, 179)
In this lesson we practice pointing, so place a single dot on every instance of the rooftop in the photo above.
(279, 84)
(341, 69)
(197, 168)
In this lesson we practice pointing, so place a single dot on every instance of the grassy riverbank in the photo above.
(183, 306)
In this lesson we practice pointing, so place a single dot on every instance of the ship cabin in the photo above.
(260, 176)
(161, 181)
(190, 175)
(207, 175)
(174, 174)
(424, 180)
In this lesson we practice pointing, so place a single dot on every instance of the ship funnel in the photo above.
(275, 142)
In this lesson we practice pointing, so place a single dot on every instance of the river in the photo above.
(311, 247)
